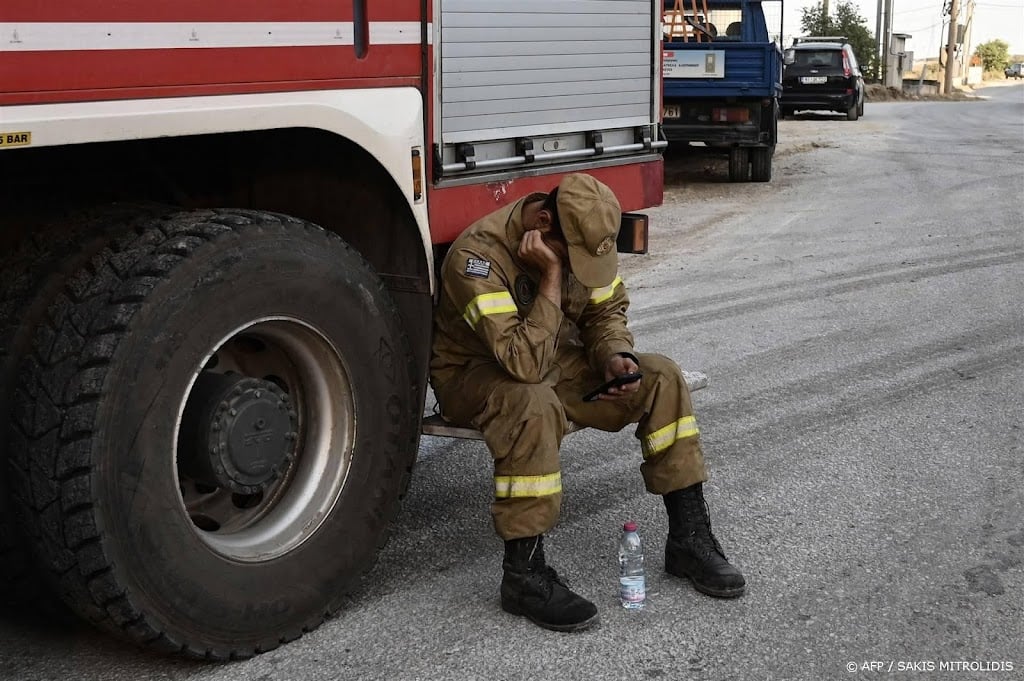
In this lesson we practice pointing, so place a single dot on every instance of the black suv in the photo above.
(822, 74)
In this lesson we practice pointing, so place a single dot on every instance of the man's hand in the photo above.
(538, 255)
(617, 365)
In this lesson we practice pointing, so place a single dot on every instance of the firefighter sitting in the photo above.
(532, 315)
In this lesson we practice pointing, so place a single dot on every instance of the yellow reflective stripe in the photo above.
(510, 486)
(662, 439)
(599, 295)
(488, 303)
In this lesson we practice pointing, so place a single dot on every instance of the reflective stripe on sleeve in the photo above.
(599, 295)
(487, 304)
(511, 486)
(663, 438)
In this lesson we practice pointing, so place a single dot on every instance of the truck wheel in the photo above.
(739, 164)
(761, 163)
(853, 113)
(31, 277)
(225, 418)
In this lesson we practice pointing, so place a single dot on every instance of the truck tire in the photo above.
(20, 277)
(761, 163)
(225, 418)
(853, 113)
(739, 164)
(31, 277)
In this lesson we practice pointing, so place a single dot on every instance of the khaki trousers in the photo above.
(523, 425)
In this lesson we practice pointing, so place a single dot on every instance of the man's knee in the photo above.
(520, 402)
(524, 422)
(660, 367)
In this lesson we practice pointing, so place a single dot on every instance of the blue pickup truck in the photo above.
(722, 81)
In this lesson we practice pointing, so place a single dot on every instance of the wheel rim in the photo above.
(289, 508)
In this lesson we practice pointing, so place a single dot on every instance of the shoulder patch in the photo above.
(475, 267)
(525, 289)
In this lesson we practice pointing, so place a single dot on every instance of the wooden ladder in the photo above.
(681, 21)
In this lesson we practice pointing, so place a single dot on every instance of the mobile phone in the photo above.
(614, 383)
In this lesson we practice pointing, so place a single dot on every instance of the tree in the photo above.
(846, 21)
(814, 21)
(994, 55)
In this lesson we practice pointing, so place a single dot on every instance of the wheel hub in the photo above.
(237, 432)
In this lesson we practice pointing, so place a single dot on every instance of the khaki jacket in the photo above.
(489, 310)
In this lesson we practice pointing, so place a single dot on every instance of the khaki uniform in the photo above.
(510, 363)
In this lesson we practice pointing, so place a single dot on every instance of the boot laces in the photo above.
(700, 530)
(539, 566)
(540, 573)
(546, 577)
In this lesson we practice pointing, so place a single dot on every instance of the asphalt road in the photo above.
(862, 323)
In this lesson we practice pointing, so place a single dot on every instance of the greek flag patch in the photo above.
(478, 268)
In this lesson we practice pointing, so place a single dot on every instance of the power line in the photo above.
(929, 10)
(924, 28)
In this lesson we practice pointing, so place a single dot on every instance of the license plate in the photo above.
(813, 80)
(670, 111)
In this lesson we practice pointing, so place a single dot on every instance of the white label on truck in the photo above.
(694, 64)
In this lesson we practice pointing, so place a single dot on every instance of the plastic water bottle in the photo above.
(632, 583)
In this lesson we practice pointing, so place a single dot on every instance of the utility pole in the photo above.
(966, 52)
(879, 50)
(954, 16)
(886, 41)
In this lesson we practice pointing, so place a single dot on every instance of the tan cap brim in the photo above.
(593, 271)
(590, 215)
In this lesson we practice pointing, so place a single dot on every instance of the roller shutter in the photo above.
(544, 81)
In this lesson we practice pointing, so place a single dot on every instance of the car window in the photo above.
(818, 58)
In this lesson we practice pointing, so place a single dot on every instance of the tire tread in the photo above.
(74, 348)
(29, 278)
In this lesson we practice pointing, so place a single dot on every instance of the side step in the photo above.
(436, 425)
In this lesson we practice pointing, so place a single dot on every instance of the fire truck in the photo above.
(219, 224)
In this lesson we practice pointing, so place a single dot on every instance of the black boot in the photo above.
(692, 550)
(532, 589)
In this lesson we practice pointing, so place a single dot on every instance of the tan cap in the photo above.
(590, 215)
